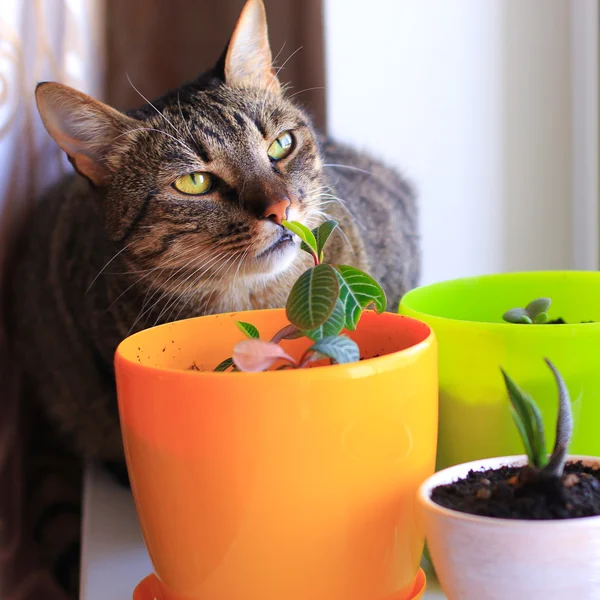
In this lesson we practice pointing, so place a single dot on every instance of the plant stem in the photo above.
(289, 332)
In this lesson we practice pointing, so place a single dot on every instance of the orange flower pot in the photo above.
(296, 484)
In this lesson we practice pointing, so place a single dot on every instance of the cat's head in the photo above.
(200, 179)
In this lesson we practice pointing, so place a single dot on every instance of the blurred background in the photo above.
(489, 107)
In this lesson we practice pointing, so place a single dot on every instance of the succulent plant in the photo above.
(536, 312)
(528, 419)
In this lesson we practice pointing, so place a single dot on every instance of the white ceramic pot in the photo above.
(484, 558)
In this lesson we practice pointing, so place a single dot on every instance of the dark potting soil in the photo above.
(498, 493)
(561, 321)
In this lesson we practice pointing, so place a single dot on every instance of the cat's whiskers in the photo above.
(317, 209)
(196, 262)
(106, 265)
(186, 123)
(351, 168)
(127, 289)
(136, 283)
(285, 62)
(310, 89)
(136, 272)
(130, 131)
(195, 256)
(197, 279)
(210, 279)
(332, 198)
(345, 237)
(208, 250)
(272, 82)
(177, 295)
(164, 288)
(277, 55)
(242, 257)
(152, 105)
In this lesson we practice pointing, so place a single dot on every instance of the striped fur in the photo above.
(116, 249)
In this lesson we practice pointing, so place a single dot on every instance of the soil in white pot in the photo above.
(502, 494)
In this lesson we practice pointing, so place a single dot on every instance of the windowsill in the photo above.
(114, 558)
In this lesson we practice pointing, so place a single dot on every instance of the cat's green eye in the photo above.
(193, 184)
(281, 147)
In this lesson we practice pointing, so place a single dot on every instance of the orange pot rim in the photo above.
(380, 362)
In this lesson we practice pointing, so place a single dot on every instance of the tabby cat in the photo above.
(174, 211)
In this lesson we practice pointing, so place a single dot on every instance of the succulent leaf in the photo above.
(537, 306)
(564, 426)
(517, 315)
(529, 422)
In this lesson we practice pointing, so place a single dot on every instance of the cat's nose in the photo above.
(278, 211)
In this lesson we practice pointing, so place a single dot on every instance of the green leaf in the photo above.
(529, 422)
(539, 445)
(248, 330)
(305, 234)
(521, 415)
(517, 315)
(535, 307)
(313, 297)
(541, 318)
(357, 291)
(340, 349)
(521, 427)
(332, 327)
(224, 365)
(322, 233)
(564, 426)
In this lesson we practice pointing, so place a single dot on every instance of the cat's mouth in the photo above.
(285, 240)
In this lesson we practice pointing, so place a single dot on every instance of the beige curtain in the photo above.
(39, 40)
(160, 44)
(163, 43)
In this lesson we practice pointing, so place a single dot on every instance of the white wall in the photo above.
(471, 99)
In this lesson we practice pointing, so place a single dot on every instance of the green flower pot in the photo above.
(466, 316)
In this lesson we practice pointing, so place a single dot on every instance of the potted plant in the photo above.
(518, 527)
(467, 316)
(298, 481)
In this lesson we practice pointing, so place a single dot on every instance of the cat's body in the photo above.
(72, 306)
(176, 212)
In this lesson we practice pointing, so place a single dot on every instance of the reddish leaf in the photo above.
(258, 355)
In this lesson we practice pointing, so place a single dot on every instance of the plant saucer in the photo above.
(150, 589)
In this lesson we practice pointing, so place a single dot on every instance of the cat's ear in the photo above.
(83, 127)
(248, 56)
